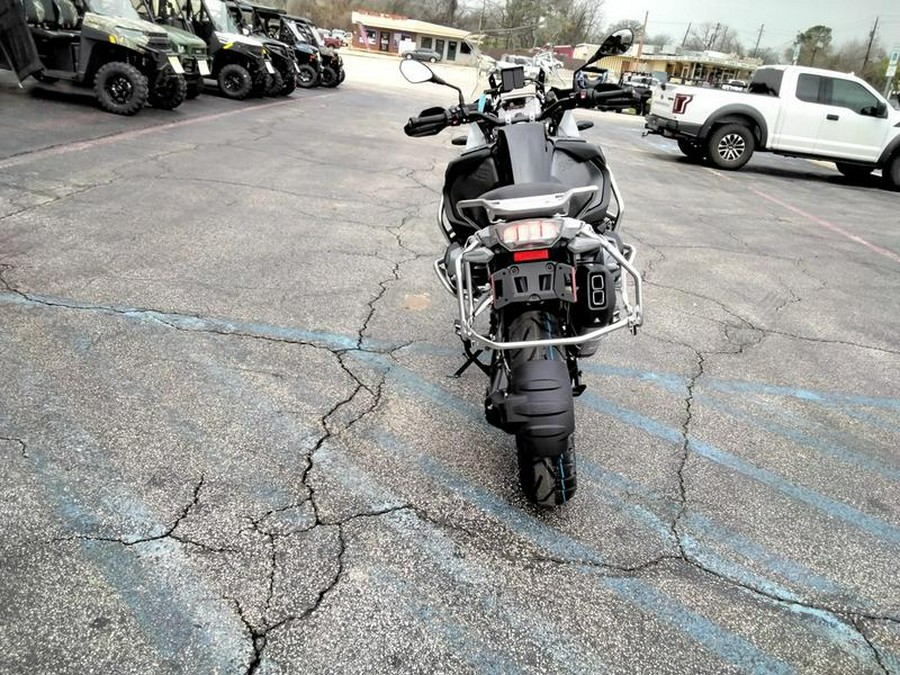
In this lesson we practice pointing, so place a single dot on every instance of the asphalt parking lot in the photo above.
(229, 442)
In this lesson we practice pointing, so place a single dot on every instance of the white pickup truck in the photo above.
(789, 110)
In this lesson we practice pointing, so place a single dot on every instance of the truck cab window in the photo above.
(847, 94)
(808, 88)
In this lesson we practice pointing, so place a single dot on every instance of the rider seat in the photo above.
(66, 14)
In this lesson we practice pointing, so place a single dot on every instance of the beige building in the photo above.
(707, 66)
(395, 34)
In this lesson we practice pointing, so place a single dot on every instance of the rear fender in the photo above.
(738, 114)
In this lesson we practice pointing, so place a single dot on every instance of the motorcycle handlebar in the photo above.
(429, 125)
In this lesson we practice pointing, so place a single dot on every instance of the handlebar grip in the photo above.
(426, 125)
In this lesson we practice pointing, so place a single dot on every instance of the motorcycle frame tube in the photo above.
(468, 312)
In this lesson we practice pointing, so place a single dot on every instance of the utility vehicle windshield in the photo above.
(307, 33)
(220, 16)
(113, 8)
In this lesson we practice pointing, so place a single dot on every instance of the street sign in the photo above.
(895, 57)
(890, 72)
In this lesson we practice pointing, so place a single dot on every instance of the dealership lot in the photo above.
(229, 442)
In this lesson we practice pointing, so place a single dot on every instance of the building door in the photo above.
(384, 41)
(439, 47)
(451, 51)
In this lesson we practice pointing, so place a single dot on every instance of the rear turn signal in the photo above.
(528, 256)
(681, 103)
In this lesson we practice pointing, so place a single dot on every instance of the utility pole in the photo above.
(684, 41)
(869, 46)
(714, 37)
(758, 38)
(643, 33)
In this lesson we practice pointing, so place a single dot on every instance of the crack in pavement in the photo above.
(259, 634)
(23, 448)
(169, 532)
(765, 332)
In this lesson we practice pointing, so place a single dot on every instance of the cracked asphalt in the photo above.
(229, 442)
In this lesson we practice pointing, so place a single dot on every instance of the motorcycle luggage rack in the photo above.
(469, 311)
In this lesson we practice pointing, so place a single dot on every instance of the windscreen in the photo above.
(220, 16)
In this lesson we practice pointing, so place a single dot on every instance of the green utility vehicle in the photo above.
(98, 43)
(190, 48)
(240, 64)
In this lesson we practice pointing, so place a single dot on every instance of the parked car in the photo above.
(734, 85)
(789, 110)
(422, 54)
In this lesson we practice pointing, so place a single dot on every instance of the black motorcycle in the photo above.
(533, 256)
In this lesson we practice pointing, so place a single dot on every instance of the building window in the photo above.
(370, 36)
(464, 48)
(426, 43)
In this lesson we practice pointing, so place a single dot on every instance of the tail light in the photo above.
(529, 234)
(681, 103)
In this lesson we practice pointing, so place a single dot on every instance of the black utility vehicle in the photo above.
(332, 73)
(100, 43)
(284, 80)
(278, 25)
(240, 64)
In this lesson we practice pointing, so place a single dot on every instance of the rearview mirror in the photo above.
(416, 72)
(615, 44)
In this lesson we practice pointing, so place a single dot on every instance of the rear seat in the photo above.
(66, 14)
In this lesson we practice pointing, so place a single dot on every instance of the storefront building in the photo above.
(395, 34)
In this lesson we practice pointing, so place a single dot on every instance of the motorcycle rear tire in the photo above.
(546, 479)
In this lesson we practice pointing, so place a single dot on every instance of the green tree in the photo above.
(815, 46)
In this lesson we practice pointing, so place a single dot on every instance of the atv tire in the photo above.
(328, 78)
(274, 84)
(169, 91)
(235, 81)
(194, 89)
(121, 88)
(307, 77)
(289, 80)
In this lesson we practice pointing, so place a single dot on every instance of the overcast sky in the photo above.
(783, 19)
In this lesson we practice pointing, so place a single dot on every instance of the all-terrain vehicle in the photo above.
(284, 80)
(191, 49)
(98, 43)
(240, 63)
(276, 24)
(332, 73)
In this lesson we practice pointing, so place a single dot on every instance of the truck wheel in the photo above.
(692, 149)
(120, 88)
(307, 77)
(730, 146)
(235, 81)
(891, 173)
(168, 92)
